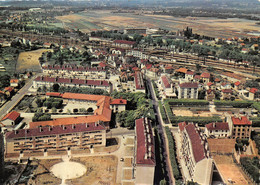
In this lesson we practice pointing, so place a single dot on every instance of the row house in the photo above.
(98, 72)
(123, 44)
(195, 152)
(188, 90)
(144, 159)
(137, 53)
(46, 81)
(167, 87)
(139, 82)
(65, 137)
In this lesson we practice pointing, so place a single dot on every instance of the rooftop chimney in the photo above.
(41, 129)
(214, 125)
(50, 128)
(87, 125)
(16, 132)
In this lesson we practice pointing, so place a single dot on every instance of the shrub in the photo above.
(255, 121)
(186, 102)
(175, 169)
(236, 104)
(200, 120)
(252, 167)
(163, 113)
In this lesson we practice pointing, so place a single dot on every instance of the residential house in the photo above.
(254, 94)
(205, 77)
(218, 130)
(195, 153)
(210, 95)
(144, 152)
(226, 94)
(118, 105)
(14, 82)
(189, 75)
(188, 90)
(237, 86)
(11, 119)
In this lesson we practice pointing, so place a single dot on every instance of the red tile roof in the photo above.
(218, 126)
(166, 82)
(190, 73)
(145, 142)
(72, 81)
(217, 80)
(205, 75)
(182, 125)
(148, 66)
(182, 70)
(118, 102)
(197, 77)
(210, 84)
(103, 113)
(55, 94)
(253, 90)
(82, 127)
(14, 81)
(237, 83)
(197, 148)
(9, 89)
(243, 120)
(188, 85)
(124, 42)
(12, 116)
(227, 90)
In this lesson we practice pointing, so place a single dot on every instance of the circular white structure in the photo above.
(68, 170)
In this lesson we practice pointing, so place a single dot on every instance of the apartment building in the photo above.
(241, 126)
(144, 152)
(48, 82)
(167, 88)
(195, 153)
(70, 136)
(73, 70)
(139, 82)
(188, 90)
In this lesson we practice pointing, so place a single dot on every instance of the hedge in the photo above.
(236, 104)
(200, 120)
(186, 102)
(255, 121)
(175, 169)
(256, 105)
(168, 111)
(252, 167)
(156, 90)
(163, 113)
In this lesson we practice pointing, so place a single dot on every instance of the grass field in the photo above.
(29, 61)
(8, 60)
(105, 19)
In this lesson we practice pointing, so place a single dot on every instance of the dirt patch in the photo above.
(127, 174)
(128, 162)
(191, 113)
(29, 61)
(100, 170)
(129, 141)
(229, 170)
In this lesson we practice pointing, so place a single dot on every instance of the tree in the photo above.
(56, 87)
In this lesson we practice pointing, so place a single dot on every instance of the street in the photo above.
(16, 98)
(162, 132)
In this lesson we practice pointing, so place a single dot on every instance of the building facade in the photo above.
(195, 151)
(241, 126)
(188, 90)
(69, 137)
(218, 130)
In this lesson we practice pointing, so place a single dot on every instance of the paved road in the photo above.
(120, 132)
(15, 99)
(161, 130)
